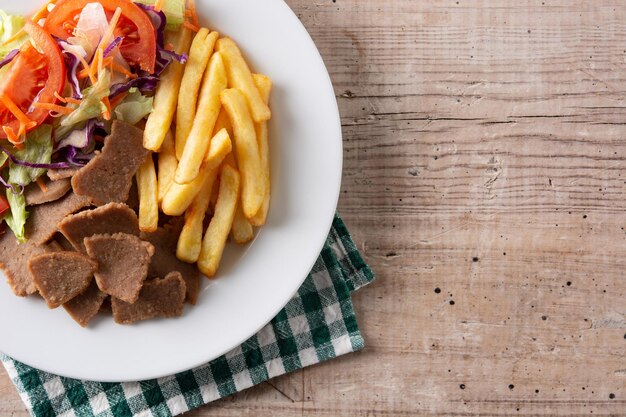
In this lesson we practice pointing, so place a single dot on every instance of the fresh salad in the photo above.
(66, 73)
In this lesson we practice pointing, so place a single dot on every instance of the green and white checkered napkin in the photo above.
(318, 324)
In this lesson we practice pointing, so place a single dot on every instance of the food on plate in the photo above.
(123, 262)
(180, 196)
(44, 218)
(159, 298)
(240, 77)
(108, 176)
(167, 163)
(62, 173)
(220, 225)
(248, 157)
(84, 307)
(61, 276)
(209, 105)
(133, 144)
(165, 261)
(166, 96)
(148, 190)
(110, 219)
(36, 194)
(199, 54)
(264, 84)
(14, 259)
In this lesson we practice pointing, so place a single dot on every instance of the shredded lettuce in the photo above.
(9, 26)
(37, 149)
(90, 108)
(16, 218)
(134, 107)
(174, 12)
(3, 158)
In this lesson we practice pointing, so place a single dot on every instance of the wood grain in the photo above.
(485, 156)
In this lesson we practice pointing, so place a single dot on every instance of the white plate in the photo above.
(255, 281)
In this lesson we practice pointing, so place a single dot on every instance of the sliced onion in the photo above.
(72, 52)
(111, 47)
(145, 84)
(77, 158)
(10, 56)
(55, 165)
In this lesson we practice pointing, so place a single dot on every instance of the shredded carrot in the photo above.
(95, 64)
(42, 185)
(21, 133)
(104, 63)
(72, 100)
(118, 99)
(191, 26)
(170, 46)
(54, 107)
(60, 97)
(194, 15)
(43, 12)
(86, 72)
(12, 137)
(82, 60)
(118, 68)
(107, 113)
(109, 32)
(15, 37)
(158, 5)
(16, 111)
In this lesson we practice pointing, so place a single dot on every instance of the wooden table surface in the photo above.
(485, 183)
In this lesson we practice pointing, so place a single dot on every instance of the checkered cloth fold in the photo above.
(318, 324)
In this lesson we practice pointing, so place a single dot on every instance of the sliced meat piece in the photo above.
(14, 262)
(55, 190)
(158, 298)
(43, 220)
(123, 261)
(54, 246)
(108, 177)
(61, 276)
(165, 261)
(61, 174)
(109, 219)
(85, 307)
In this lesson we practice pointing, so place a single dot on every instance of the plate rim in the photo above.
(333, 194)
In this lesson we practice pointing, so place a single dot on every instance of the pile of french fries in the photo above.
(209, 128)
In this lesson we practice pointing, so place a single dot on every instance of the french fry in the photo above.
(239, 76)
(166, 94)
(242, 231)
(167, 165)
(220, 149)
(221, 223)
(223, 123)
(148, 196)
(190, 240)
(180, 196)
(215, 82)
(246, 151)
(199, 54)
(264, 84)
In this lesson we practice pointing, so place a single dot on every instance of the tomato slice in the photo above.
(139, 45)
(4, 204)
(31, 77)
